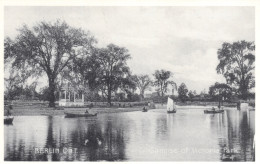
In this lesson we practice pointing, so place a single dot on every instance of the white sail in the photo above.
(170, 105)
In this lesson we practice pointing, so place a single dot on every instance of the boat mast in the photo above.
(219, 99)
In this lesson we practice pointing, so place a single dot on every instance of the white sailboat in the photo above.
(171, 108)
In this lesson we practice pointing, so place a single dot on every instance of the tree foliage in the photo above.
(143, 82)
(182, 91)
(220, 91)
(113, 69)
(14, 83)
(128, 84)
(15, 90)
(162, 81)
(191, 94)
(236, 63)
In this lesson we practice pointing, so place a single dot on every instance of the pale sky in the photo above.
(183, 40)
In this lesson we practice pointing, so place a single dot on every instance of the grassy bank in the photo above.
(52, 111)
(41, 108)
(31, 108)
(202, 103)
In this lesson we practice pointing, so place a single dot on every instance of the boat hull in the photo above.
(174, 111)
(213, 112)
(72, 115)
(8, 120)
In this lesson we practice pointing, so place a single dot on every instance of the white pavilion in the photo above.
(69, 96)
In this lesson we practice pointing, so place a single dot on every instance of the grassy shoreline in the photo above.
(28, 111)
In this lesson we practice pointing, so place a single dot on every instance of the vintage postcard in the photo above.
(128, 83)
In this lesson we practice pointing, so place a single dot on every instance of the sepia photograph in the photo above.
(129, 83)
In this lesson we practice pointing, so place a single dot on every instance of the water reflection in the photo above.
(188, 135)
(235, 134)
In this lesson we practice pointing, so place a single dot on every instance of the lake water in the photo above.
(188, 135)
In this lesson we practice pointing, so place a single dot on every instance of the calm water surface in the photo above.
(188, 135)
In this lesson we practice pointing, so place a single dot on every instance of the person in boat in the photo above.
(213, 109)
(144, 108)
(90, 106)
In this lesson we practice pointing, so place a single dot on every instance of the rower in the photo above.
(90, 106)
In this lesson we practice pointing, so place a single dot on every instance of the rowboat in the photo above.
(8, 119)
(210, 111)
(228, 156)
(174, 111)
(70, 115)
(171, 108)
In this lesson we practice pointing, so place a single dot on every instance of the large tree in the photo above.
(113, 68)
(47, 48)
(143, 83)
(162, 81)
(236, 63)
